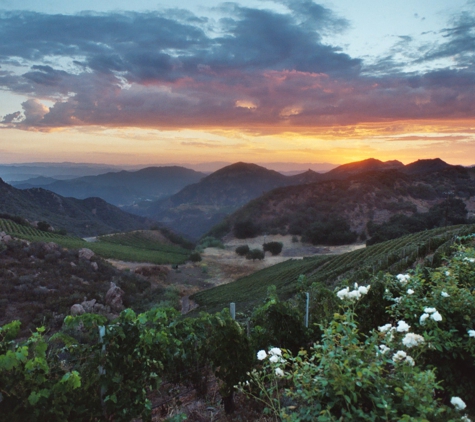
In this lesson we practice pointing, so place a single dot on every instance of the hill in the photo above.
(338, 211)
(393, 256)
(197, 207)
(123, 187)
(87, 217)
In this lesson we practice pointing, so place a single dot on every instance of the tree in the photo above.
(275, 248)
(255, 254)
(245, 229)
(242, 250)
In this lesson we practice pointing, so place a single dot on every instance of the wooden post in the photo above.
(306, 309)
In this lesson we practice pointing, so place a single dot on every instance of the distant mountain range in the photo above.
(87, 217)
(196, 208)
(120, 188)
(192, 203)
(355, 197)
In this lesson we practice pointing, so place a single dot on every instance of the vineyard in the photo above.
(393, 256)
(125, 247)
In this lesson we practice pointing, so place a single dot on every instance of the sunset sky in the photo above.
(150, 82)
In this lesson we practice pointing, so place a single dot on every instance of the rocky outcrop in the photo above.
(85, 253)
(114, 298)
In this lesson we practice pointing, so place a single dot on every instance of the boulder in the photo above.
(114, 298)
(88, 305)
(77, 309)
(85, 253)
(94, 266)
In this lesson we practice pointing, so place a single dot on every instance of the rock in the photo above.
(77, 309)
(72, 264)
(88, 305)
(5, 238)
(114, 298)
(50, 247)
(85, 253)
(94, 266)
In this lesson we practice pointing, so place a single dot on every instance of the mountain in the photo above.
(197, 207)
(24, 171)
(88, 217)
(426, 166)
(123, 187)
(371, 164)
(342, 208)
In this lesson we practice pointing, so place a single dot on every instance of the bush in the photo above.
(255, 254)
(242, 250)
(245, 229)
(275, 248)
(195, 257)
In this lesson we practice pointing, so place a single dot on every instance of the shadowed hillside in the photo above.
(88, 217)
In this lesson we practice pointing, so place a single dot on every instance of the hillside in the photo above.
(341, 209)
(123, 187)
(393, 256)
(196, 208)
(87, 217)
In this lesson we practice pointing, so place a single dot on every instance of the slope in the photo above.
(393, 256)
(196, 208)
(343, 208)
(88, 217)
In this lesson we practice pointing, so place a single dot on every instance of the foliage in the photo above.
(245, 229)
(449, 212)
(242, 250)
(195, 257)
(209, 242)
(277, 323)
(176, 238)
(275, 248)
(255, 254)
(330, 231)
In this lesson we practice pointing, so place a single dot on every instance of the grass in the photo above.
(125, 247)
(392, 256)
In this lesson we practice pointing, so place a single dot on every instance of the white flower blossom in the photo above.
(471, 333)
(410, 291)
(343, 293)
(385, 328)
(275, 359)
(410, 360)
(430, 310)
(447, 273)
(363, 289)
(354, 294)
(261, 354)
(423, 318)
(469, 259)
(458, 403)
(465, 418)
(279, 372)
(398, 356)
(403, 278)
(275, 351)
(436, 316)
(384, 349)
(402, 326)
(444, 294)
(412, 340)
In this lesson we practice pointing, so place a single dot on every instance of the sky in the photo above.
(149, 82)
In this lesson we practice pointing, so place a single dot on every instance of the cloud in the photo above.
(253, 69)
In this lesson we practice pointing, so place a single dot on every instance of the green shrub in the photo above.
(195, 257)
(245, 229)
(255, 254)
(275, 248)
(242, 250)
